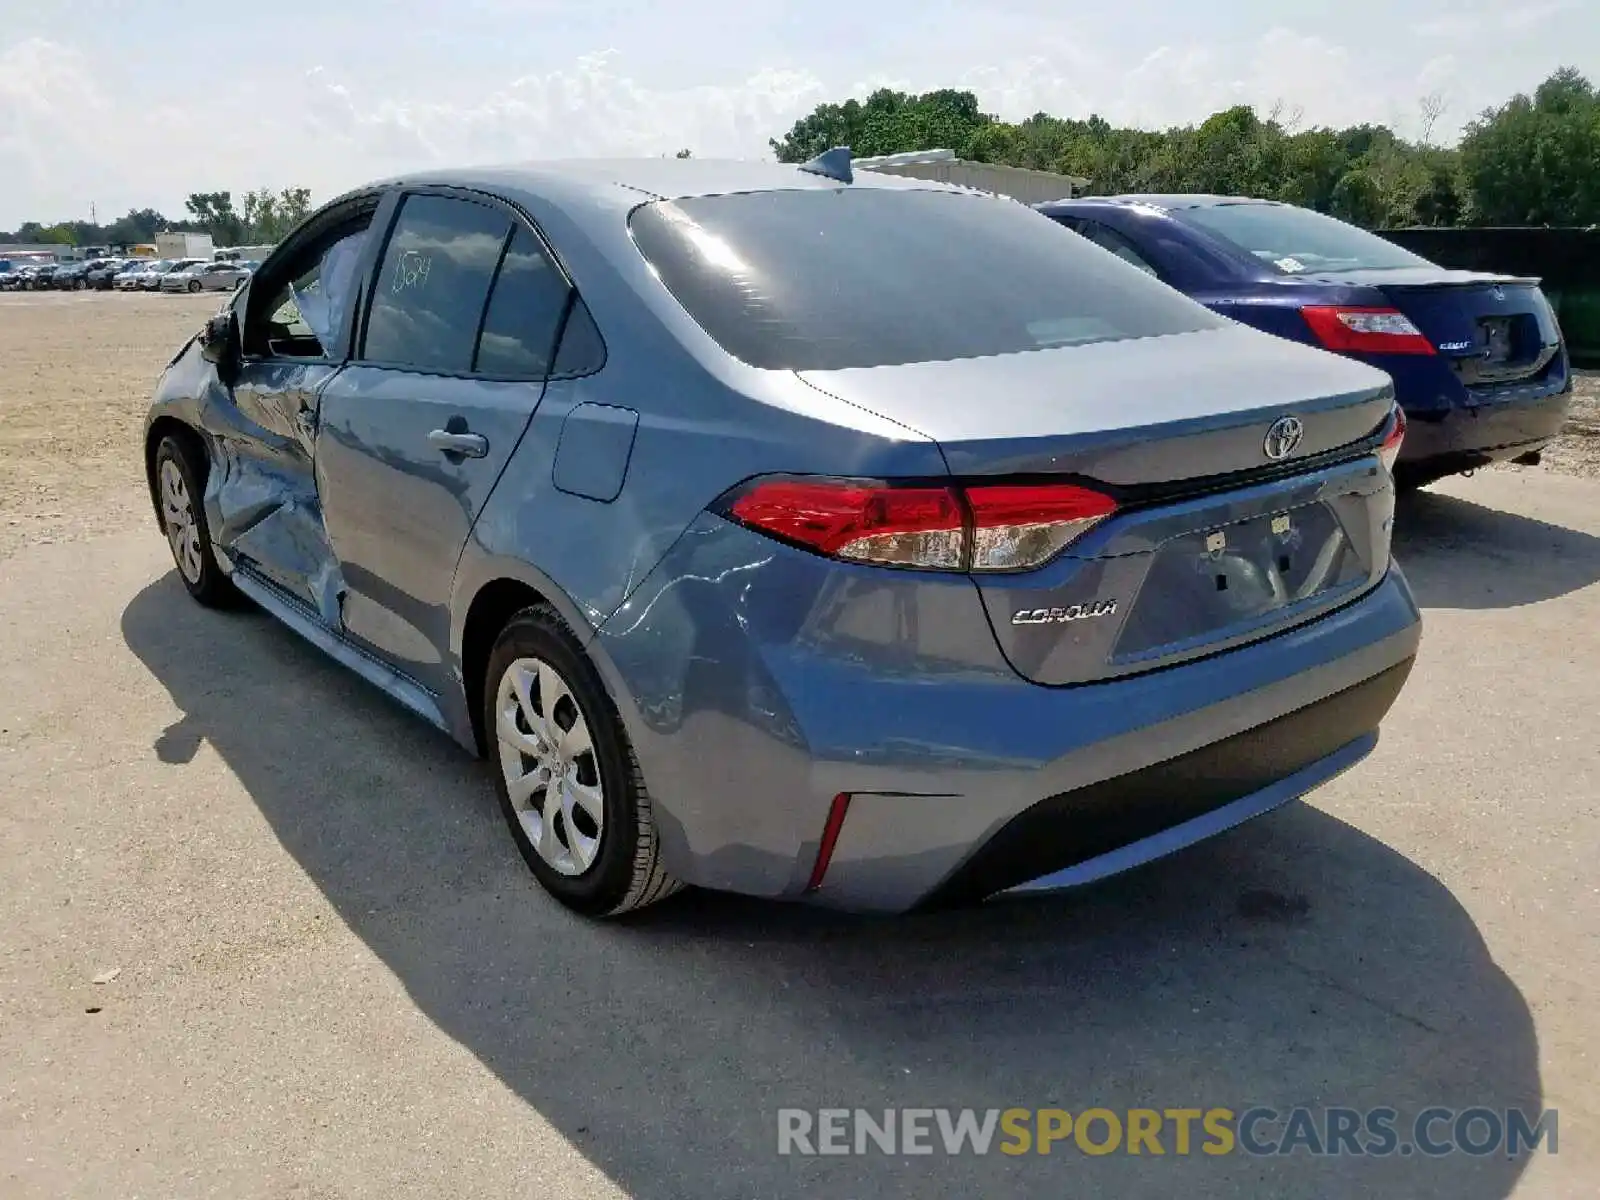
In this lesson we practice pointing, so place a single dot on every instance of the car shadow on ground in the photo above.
(1458, 554)
(1294, 961)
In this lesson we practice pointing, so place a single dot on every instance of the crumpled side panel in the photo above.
(262, 493)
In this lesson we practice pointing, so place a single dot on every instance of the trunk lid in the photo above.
(1215, 543)
(1491, 329)
(1132, 412)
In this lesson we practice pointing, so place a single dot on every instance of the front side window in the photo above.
(825, 279)
(1297, 241)
(300, 311)
(429, 295)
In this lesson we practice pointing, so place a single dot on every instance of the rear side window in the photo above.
(1110, 239)
(827, 279)
(1295, 241)
(429, 295)
(581, 351)
(524, 317)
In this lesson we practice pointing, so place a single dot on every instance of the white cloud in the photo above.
(64, 142)
(1466, 21)
(592, 109)
(72, 130)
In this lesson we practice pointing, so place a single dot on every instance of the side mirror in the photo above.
(219, 344)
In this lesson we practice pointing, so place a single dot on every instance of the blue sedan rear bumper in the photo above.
(758, 683)
(1474, 435)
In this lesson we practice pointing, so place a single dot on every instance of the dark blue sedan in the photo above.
(1478, 361)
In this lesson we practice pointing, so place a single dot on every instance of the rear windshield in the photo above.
(1296, 241)
(826, 279)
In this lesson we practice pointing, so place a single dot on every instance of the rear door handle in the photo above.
(450, 441)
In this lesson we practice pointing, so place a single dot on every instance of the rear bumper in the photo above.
(757, 683)
(1083, 835)
(1476, 435)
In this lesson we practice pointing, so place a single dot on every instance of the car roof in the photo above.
(630, 181)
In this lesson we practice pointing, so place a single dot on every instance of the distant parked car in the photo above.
(205, 277)
(70, 277)
(41, 278)
(165, 267)
(16, 279)
(100, 277)
(1478, 361)
(127, 279)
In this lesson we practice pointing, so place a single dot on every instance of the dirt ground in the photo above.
(76, 372)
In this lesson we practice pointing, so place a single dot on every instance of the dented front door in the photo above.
(271, 520)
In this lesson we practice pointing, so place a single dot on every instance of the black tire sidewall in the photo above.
(540, 633)
(213, 587)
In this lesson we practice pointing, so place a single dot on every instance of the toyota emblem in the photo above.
(1283, 435)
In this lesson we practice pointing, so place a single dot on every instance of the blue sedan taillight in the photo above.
(981, 527)
(1365, 329)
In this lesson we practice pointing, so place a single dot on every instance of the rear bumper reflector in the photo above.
(830, 838)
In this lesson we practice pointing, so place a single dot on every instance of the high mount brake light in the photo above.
(984, 527)
(1365, 329)
(1390, 450)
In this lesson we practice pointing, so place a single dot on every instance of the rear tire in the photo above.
(559, 748)
(180, 484)
(194, 285)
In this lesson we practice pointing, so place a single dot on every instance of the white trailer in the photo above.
(1020, 183)
(184, 245)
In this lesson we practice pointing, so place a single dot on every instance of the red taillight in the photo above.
(912, 527)
(1366, 330)
(1016, 527)
(1390, 450)
(987, 527)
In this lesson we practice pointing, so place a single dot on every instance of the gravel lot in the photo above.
(333, 977)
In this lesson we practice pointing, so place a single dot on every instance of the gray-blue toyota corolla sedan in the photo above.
(793, 532)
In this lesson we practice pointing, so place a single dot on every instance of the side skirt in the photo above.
(300, 618)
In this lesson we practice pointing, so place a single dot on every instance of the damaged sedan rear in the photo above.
(775, 529)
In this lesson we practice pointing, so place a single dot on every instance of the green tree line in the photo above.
(264, 217)
(1534, 160)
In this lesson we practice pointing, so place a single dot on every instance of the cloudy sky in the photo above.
(127, 104)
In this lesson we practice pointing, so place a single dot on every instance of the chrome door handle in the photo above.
(468, 445)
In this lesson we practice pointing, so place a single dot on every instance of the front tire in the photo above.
(180, 485)
(568, 782)
(194, 285)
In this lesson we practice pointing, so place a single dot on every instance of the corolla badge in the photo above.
(1283, 435)
(1498, 292)
(1056, 616)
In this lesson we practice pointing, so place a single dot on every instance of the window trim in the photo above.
(519, 219)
